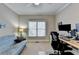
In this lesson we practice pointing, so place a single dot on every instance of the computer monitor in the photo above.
(73, 32)
(77, 27)
(64, 27)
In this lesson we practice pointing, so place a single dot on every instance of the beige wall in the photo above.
(9, 18)
(49, 19)
(69, 15)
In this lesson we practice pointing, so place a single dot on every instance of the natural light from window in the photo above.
(37, 28)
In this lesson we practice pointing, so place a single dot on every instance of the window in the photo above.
(37, 29)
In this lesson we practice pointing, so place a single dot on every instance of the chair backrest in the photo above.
(55, 40)
(54, 36)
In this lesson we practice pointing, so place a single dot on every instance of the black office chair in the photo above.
(57, 45)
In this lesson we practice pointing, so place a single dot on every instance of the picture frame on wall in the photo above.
(2, 25)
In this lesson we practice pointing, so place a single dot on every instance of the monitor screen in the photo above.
(77, 27)
(64, 27)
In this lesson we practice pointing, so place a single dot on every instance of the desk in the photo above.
(71, 42)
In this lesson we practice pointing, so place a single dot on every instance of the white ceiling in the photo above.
(32, 9)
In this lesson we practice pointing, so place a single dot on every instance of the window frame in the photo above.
(37, 28)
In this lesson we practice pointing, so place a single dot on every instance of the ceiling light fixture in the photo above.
(36, 3)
